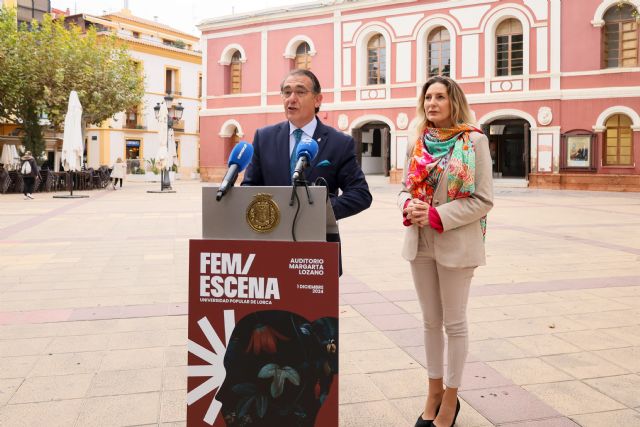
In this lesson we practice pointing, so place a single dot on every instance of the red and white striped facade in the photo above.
(563, 86)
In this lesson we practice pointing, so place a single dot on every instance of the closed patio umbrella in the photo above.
(15, 156)
(172, 154)
(72, 147)
(6, 158)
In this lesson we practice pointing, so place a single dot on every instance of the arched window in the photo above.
(509, 48)
(618, 141)
(438, 53)
(620, 37)
(376, 60)
(235, 73)
(302, 60)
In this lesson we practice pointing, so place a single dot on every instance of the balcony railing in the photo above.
(134, 126)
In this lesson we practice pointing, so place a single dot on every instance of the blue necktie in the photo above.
(297, 135)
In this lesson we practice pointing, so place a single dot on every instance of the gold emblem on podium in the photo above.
(263, 215)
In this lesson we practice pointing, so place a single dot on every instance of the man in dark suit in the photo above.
(274, 147)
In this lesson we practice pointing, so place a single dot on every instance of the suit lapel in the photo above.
(321, 136)
(282, 152)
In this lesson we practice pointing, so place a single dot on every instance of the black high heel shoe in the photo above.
(455, 417)
(425, 423)
(422, 423)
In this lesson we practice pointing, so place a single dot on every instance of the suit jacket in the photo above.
(461, 245)
(335, 162)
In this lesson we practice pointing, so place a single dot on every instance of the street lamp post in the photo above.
(174, 113)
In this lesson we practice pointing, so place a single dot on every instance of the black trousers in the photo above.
(29, 181)
(115, 181)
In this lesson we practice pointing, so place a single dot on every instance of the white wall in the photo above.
(372, 165)
(154, 71)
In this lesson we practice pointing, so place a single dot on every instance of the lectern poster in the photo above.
(263, 334)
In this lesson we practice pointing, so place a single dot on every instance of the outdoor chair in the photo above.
(36, 183)
(47, 180)
(59, 181)
(82, 180)
(96, 178)
(105, 172)
(17, 184)
(5, 181)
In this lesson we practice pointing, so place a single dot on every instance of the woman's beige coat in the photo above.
(461, 244)
(119, 170)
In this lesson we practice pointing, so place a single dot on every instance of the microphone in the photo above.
(238, 160)
(305, 153)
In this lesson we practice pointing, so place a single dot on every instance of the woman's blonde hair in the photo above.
(119, 160)
(460, 111)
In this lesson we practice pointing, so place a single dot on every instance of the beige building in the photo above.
(171, 63)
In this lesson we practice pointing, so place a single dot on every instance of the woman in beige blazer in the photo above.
(447, 192)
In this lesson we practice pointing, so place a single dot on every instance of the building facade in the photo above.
(172, 64)
(554, 84)
(28, 10)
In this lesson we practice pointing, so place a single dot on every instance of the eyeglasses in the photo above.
(300, 93)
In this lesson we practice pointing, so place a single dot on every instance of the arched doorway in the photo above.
(373, 147)
(230, 142)
(508, 144)
(230, 132)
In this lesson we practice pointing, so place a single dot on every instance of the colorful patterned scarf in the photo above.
(443, 150)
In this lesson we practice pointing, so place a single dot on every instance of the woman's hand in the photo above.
(417, 212)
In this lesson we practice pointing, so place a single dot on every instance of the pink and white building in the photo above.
(554, 84)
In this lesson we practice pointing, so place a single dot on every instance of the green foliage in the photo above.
(180, 44)
(153, 165)
(41, 65)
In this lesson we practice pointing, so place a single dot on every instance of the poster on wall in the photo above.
(263, 334)
(578, 151)
(545, 152)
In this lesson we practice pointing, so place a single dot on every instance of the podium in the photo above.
(263, 310)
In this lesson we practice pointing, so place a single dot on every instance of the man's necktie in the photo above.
(297, 135)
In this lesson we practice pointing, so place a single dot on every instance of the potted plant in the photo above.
(152, 172)
(173, 173)
(196, 174)
(137, 171)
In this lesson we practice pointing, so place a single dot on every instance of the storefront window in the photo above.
(133, 155)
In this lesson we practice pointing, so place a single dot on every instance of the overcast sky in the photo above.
(180, 14)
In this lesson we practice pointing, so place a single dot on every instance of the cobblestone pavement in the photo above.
(93, 300)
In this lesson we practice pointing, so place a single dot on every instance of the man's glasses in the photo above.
(300, 93)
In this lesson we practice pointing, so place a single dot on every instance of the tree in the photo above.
(44, 63)
(21, 97)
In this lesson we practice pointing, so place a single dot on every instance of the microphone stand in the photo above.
(300, 182)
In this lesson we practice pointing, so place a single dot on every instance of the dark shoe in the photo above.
(425, 423)
(454, 417)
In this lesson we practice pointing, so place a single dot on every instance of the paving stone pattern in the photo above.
(93, 303)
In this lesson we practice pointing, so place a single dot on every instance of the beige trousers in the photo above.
(443, 294)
